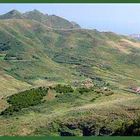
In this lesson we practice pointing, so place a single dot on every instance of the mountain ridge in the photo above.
(49, 20)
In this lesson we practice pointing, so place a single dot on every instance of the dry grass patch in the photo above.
(9, 85)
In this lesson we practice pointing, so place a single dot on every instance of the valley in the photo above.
(75, 81)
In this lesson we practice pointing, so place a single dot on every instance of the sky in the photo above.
(119, 18)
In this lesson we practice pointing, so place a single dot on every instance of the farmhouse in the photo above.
(138, 90)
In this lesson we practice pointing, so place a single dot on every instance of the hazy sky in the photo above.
(119, 18)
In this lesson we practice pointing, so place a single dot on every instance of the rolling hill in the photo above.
(38, 49)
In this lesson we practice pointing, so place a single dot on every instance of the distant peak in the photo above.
(14, 12)
(35, 11)
(49, 20)
(54, 15)
(75, 24)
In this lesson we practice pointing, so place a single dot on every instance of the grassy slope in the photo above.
(35, 63)
(40, 48)
(10, 85)
(110, 111)
(50, 57)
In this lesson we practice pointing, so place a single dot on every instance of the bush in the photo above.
(83, 89)
(63, 88)
(65, 98)
(24, 100)
(129, 129)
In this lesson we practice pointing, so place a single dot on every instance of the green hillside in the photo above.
(88, 75)
(52, 21)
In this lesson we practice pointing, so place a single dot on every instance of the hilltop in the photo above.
(52, 21)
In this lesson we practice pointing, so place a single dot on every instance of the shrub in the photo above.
(129, 129)
(65, 98)
(63, 88)
(24, 100)
(83, 89)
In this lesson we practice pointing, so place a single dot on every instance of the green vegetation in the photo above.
(2, 56)
(88, 71)
(66, 98)
(24, 100)
(129, 129)
(75, 127)
(83, 90)
(63, 88)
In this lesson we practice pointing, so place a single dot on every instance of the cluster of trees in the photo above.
(24, 100)
(89, 127)
(129, 129)
(34, 96)
(68, 89)
(63, 88)
(84, 89)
